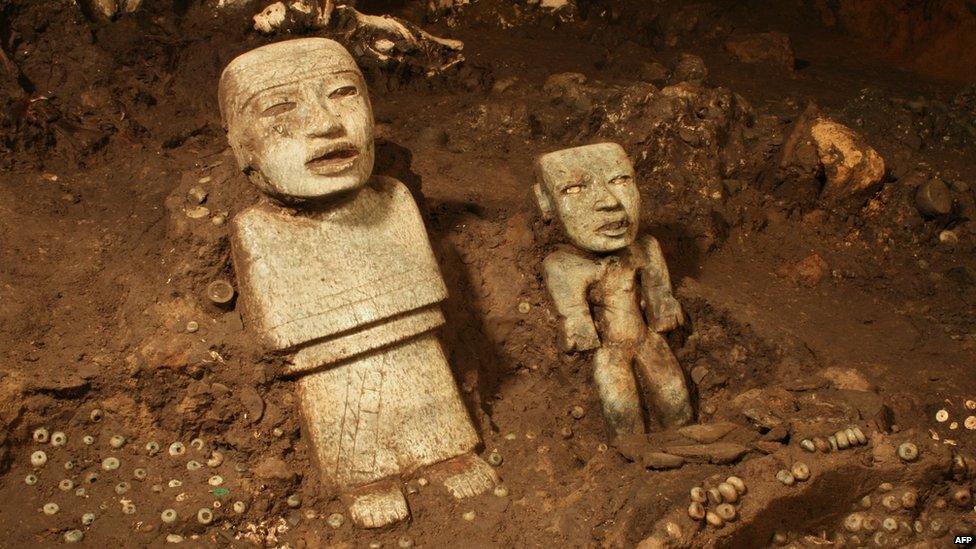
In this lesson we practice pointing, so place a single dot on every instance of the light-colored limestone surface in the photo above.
(620, 276)
(336, 271)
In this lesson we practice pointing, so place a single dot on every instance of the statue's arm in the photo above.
(568, 277)
(663, 310)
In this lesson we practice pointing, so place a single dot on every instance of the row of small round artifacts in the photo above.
(722, 496)
(942, 416)
(841, 440)
(205, 516)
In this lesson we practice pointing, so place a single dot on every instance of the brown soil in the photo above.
(107, 126)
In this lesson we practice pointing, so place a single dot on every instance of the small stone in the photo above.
(971, 404)
(216, 458)
(96, 415)
(58, 438)
(220, 492)
(51, 508)
(948, 237)
(215, 480)
(152, 447)
(117, 441)
(168, 516)
(294, 501)
(239, 507)
(197, 444)
(501, 491)
(175, 483)
(567, 432)
(220, 292)
(73, 536)
(714, 520)
(524, 307)
(88, 440)
(942, 416)
(886, 487)
(890, 502)
(602, 447)
(404, 542)
(728, 492)
(121, 488)
(970, 423)
(808, 445)
(963, 497)
(38, 458)
(192, 326)
(218, 219)
(41, 436)
(689, 68)
(91, 477)
(66, 484)
(495, 458)
(335, 520)
(866, 502)
(889, 524)
(87, 519)
(832, 440)
(738, 484)
(197, 212)
(205, 516)
(30, 479)
(821, 444)
(800, 471)
(953, 426)
(714, 496)
(933, 198)
(128, 508)
(696, 510)
(69, 465)
(174, 538)
(110, 463)
(469, 516)
(861, 437)
(139, 473)
(853, 522)
(698, 495)
(726, 512)
(422, 482)
(277, 432)
(193, 465)
(842, 441)
(908, 451)
(785, 477)
(196, 195)
(81, 492)
(852, 437)
(177, 449)
(577, 412)
(909, 499)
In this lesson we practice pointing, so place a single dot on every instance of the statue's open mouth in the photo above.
(332, 159)
(615, 228)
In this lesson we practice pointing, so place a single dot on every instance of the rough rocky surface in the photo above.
(110, 123)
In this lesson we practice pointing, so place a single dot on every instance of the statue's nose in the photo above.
(322, 122)
(607, 200)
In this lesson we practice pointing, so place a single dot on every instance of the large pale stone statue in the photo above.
(336, 271)
(621, 277)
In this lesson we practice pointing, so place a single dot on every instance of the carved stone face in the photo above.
(299, 119)
(591, 191)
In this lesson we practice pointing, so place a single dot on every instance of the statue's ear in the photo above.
(544, 201)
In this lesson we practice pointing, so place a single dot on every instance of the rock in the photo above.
(689, 68)
(768, 446)
(661, 461)
(707, 433)
(654, 72)
(846, 378)
(771, 47)
(819, 148)
(252, 402)
(777, 434)
(933, 198)
(274, 469)
(631, 446)
(807, 272)
(718, 453)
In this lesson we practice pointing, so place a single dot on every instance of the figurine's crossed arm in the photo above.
(568, 278)
(662, 308)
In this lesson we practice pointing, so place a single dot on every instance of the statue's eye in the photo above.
(620, 180)
(573, 189)
(344, 91)
(278, 107)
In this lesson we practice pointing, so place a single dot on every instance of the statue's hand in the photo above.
(578, 335)
(667, 315)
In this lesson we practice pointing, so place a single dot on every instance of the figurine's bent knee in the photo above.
(618, 391)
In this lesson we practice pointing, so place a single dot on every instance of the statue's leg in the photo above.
(344, 408)
(663, 382)
(433, 429)
(617, 388)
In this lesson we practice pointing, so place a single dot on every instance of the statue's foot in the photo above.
(465, 476)
(377, 505)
